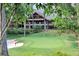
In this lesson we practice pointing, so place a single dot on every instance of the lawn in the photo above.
(49, 43)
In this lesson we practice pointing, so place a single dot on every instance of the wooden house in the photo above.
(38, 19)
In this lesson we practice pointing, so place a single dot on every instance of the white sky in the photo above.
(34, 7)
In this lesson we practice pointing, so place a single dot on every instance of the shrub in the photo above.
(59, 53)
(77, 30)
(12, 31)
(15, 31)
(65, 23)
(37, 29)
(74, 44)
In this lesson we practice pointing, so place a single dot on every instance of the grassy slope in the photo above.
(44, 43)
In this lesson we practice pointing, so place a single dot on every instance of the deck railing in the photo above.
(38, 24)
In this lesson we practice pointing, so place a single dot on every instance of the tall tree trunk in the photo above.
(4, 50)
(3, 27)
(77, 34)
(4, 41)
(78, 23)
(0, 30)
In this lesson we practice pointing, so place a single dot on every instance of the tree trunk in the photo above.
(0, 30)
(77, 35)
(24, 27)
(3, 45)
(3, 28)
(44, 23)
(4, 41)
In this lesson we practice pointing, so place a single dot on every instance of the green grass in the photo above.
(45, 44)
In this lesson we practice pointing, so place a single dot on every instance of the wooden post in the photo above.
(24, 27)
(47, 24)
(44, 25)
(29, 25)
(32, 22)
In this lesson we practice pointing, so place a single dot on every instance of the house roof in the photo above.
(41, 13)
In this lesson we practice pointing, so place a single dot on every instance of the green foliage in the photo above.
(21, 31)
(14, 31)
(59, 53)
(74, 44)
(9, 10)
(65, 9)
(24, 10)
(65, 23)
(59, 22)
(21, 11)
(77, 30)
(66, 15)
(37, 29)
(18, 31)
(48, 9)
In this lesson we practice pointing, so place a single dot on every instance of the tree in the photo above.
(66, 16)
(0, 29)
(22, 12)
(13, 12)
(76, 6)
(3, 43)
(4, 27)
(28, 9)
(48, 9)
(70, 19)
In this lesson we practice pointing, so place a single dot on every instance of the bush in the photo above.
(37, 29)
(74, 44)
(20, 31)
(12, 31)
(77, 30)
(15, 31)
(65, 23)
(59, 53)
